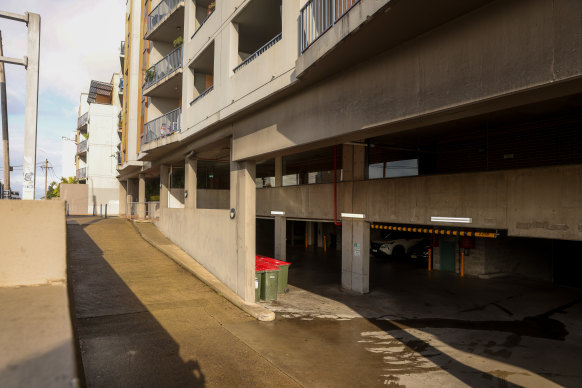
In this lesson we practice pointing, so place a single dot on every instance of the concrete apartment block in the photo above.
(98, 145)
(395, 112)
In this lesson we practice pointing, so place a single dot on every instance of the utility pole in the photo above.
(31, 63)
(5, 142)
(45, 177)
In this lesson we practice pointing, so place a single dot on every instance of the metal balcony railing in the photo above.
(82, 146)
(143, 210)
(317, 16)
(161, 127)
(260, 51)
(122, 48)
(158, 14)
(201, 95)
(83, 120)
(82, 173)
(164, 67)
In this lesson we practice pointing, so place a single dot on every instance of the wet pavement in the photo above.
(144, 321)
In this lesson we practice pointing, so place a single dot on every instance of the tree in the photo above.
(51, 191)
(54, 189)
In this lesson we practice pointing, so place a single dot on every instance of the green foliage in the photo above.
(150, 74)
(178, 41)
(51, 192)
(54, 189)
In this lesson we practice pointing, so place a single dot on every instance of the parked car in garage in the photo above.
(395, 244)
(419, 252)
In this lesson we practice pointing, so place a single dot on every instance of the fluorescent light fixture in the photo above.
(352, 215)
(461, 220)
(277, 213)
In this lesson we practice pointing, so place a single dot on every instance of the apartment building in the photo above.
(330, 122)
(97, 153)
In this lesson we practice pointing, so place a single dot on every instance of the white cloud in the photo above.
(80, 42)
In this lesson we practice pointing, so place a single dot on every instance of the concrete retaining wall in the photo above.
(33, 243)
(77, 196)
(209, 236)
(212, 199)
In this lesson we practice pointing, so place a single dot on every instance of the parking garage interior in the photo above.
(527, 137)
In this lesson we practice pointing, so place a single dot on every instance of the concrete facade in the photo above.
(76, 198)
(300, 118)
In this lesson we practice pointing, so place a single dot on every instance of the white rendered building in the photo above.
(97, 145)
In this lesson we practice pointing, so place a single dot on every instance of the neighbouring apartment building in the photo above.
(334, 121)
(97, 153)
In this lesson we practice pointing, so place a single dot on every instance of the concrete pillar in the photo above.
(191, 183)
(243, 211)
(310, 230)
(359, 166)
(164, 185)
(356, 255)
(278, 171)
(141, 208)
(320, 234)
(281, 238)
(122, 197)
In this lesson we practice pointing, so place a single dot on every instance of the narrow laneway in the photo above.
(144, 321)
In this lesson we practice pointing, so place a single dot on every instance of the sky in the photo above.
(79, 42)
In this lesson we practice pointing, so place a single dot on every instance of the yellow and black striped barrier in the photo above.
(436, 231)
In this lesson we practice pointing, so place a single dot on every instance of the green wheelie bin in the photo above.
(269, 283)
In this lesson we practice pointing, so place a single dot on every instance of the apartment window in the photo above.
(259, 28)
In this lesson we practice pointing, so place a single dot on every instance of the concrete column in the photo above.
(191, 183)
(243, 197)
(356, 255)
(320, 234)
(278, 171)
(164, 185)
(311, 237)
(281, 238)
(122, 197)
(359, 166)
(141, 208)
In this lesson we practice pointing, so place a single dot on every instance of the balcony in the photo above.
(82, 147)
(259, 27)
(165, 21)
(318, 16)
(161, 127)
(165, 77)
(202, 68)
(82, 173)
(203, 10)
(260, 51)
(122, 54)
(83, 121)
